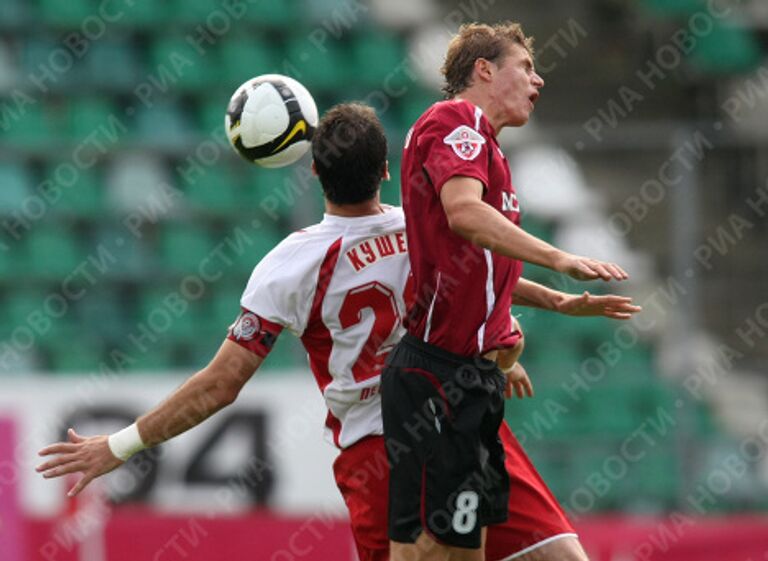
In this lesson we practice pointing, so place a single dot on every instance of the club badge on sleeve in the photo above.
(246, 326)
(466, 142)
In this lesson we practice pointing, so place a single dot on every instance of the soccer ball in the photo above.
(270, 120)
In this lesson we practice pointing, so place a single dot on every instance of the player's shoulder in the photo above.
(451, 112)
(308, 245)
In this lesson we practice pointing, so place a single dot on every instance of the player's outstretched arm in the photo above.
(471, 218)
(211, 389)
(533, 294)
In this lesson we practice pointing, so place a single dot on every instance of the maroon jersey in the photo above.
(463, 292)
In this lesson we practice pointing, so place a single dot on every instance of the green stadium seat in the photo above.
(263, 240)
(727, 49)
(223, 308)
(611, 410)
(13, 12)
(210, 113)
(275, 13)
(243, 58)
(144, 14)
(170, 325)
(9, 268)
(36, 54)
(131, 256)
(100, 311)
(674, 8)
(637, 362)
(194, 355)
(152, 360)
(183, 247)
(53, 251)
(68, 13)
(216, 191)
(658, 475)
(380, 56)
(112, 63)
(182, 65)
(321, 69)
(16, 184)
(194, 12)
(85, 115)
(83, 197)
(263, 188)
(414, 103)
(37, 126)
(18, 306)
(163, 124)
(537, 227)
(74, 355)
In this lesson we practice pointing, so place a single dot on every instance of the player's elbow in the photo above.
(456, 217)
(227, 396)
(463, 222)
(220, 391)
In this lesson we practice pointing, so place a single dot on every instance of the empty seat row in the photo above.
(230, 189)
(54, 252)
(120, 62)
(158, 15)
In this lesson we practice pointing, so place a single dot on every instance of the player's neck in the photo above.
(366, 208)
(478, 98)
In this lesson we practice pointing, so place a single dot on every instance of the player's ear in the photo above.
(314, 168)
(386, 176)
(484, 69)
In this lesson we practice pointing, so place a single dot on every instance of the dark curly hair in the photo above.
(349, 149)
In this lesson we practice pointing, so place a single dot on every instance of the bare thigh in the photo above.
(427, 549)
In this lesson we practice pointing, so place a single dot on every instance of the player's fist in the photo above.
(585, 268)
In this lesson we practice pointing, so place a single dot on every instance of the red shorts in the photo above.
(535, 516)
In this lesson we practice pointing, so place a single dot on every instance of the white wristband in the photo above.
(126, 443)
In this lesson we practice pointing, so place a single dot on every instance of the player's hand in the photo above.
(518, 382)
(585, 268)
(608, 305)
(90, 456)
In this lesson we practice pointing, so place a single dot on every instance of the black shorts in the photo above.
(441, 419)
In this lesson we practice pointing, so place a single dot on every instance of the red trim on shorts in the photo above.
(435, 382)
(423, 509)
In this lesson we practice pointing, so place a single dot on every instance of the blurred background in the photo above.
(128, 229)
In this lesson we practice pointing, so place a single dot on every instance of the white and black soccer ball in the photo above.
(270, 120)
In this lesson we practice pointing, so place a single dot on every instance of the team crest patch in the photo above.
(246, 326)
(466, 142)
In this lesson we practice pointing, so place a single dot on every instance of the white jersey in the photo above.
(338, 285)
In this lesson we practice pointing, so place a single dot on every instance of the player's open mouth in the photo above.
(533, 97)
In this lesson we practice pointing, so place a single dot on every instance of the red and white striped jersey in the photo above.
(338, 285)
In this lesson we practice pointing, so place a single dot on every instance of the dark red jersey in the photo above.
(463, 292)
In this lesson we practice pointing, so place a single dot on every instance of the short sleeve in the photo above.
(451, 145)
(278, 291)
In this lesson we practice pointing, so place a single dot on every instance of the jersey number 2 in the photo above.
(381, 300)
